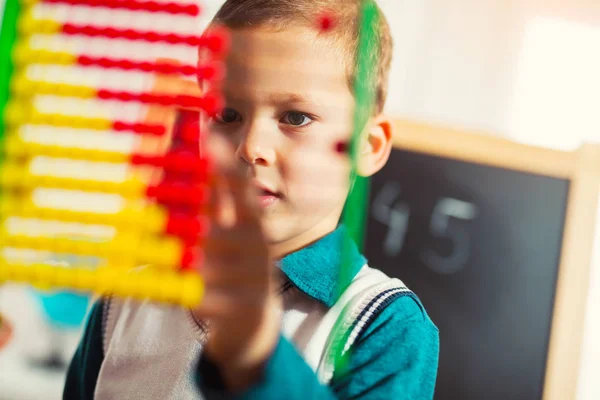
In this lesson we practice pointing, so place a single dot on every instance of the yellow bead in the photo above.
(40, 87)
(22, 54)
(14, 146)
(155, 219)
(192, 290)
(43, 273)
(21, 86)
(85, 92)
(64, 277)
(27, 3)
(170, 286)
(85, 279)
(7, 206)
(143, 284)
(15, 114)
(171, 252)
(105, 280)
(48, 26)
(11, 174)
(26, 24)
(3, 272)
(64, 58)
(98, 124)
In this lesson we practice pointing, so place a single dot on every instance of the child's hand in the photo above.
(239, 302)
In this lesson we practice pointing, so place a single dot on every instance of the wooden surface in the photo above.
(564, 353)
(482, 149)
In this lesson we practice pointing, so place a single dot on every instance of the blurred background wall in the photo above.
(522, 69)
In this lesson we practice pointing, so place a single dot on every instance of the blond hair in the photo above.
(278, 14)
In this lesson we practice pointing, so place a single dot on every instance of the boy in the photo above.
(278, 200)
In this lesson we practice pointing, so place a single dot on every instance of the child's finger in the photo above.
(232, 199)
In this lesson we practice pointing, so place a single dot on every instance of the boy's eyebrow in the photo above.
(289, 98)
(274, 98)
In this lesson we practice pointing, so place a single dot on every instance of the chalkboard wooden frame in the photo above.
(582, 169)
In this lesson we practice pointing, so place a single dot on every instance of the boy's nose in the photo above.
(256, 148)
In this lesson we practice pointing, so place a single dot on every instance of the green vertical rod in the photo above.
(356, 205)
(355, 210)
(8, 36)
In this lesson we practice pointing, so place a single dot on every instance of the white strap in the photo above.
(361, 309)
(367, 284)
(315, 347)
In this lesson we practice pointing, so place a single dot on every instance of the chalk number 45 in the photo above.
(396, 215)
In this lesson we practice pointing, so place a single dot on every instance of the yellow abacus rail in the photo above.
(15, 146)
(16, 176)
(29, 25)
(24, 55)
(17, 114)
(23, 86)
(147, 218)
(180, 288)
(163, 252)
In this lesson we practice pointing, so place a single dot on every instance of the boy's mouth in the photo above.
(267, 196)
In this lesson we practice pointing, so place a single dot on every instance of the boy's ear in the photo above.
(376, 145)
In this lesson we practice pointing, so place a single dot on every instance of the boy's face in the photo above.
(287, 105)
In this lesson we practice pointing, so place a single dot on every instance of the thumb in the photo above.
(232, 199)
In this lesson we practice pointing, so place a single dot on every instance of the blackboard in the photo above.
(480, 245)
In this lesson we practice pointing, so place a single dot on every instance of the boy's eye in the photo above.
(296, 118)
(228, 115)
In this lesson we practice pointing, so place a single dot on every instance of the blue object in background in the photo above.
(64, 309)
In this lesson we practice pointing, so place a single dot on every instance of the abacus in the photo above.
(144, 228)
(83, 187)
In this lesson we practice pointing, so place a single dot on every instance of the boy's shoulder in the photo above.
(380, 315)
(381, 299)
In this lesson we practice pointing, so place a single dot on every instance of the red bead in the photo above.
(109, 32)
(169, 193)
(190, 133)
(152, 37)
(119, 126)
(217, 41)
(152, 6)
(191, 259)
(104, 94)
(193, 41)
(146, 98)
(192, 9)
(158, 130)
(130, 34)
(211, 103)
(326, 22)
(187, 70)
(167, 68)
(186, 226)
(140, 159)
(172, 38)
(104, 62)
(211, 72)
(124, 96)
(149, 129)
(85, 60)
(165, 100)
(341, 147)
(125, 64)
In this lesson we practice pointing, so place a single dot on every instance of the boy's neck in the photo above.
(283, 248)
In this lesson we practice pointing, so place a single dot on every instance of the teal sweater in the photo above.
(396, 356)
